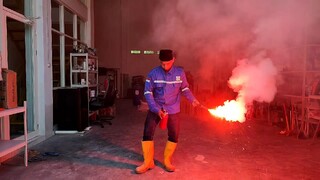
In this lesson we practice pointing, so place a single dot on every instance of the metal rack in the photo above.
(301, 81)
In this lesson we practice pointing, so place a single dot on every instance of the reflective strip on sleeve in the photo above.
(167, 82)
(148, 80)
(184, 89)
(159, 81)
(147, 92)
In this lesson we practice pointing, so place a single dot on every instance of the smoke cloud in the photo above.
(238, 36)
(254, 80)
(211, 32)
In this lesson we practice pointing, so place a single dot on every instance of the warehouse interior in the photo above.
(254, 67)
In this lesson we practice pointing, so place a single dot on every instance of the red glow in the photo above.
(230, 111)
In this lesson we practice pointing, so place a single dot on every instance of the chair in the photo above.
(104, 105)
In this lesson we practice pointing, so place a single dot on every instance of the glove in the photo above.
(195, 103)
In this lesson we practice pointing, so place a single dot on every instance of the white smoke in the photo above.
(204, 31)
(255, 80)
(209, 33)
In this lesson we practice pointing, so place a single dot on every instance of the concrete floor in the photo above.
(208, 149)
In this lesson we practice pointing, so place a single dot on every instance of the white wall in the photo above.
(43, 103)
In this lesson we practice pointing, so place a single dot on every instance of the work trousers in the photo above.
(153, 120)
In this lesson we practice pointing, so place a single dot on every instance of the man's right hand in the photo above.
(195, 103)
(161, 114)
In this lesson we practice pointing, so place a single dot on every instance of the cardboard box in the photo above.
(8, 89)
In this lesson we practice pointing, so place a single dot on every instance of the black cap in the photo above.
(166, 55)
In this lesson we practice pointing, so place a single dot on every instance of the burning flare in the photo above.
(252, 80)
(230, 111)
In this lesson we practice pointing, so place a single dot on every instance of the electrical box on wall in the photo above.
(8, 89)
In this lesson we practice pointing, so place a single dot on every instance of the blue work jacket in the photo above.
(164, 89)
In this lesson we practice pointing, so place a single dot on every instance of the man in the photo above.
(163, 89)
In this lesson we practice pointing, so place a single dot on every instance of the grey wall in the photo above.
(124, 25)
(121, 26)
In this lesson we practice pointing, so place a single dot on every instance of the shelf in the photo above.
(83, 55)
(8, 112)
(84, 72)
(79, 71)
(314, 117)
(314, 97)
(312, 107)
(11, 145)
(293, 96)
(7, 146)
(80, 85)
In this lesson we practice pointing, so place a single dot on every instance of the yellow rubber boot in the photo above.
(148, 153)
(168, 152)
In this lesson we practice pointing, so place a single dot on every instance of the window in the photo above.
(17, 55)
(67, 32)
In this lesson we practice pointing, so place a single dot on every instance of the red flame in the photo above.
(230, 111)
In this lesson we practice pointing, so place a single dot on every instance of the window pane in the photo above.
(68, 22)
(80, 28)
(17, 63)
(17, 5)
(68, 50)
(56, 59)
(55, 15)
